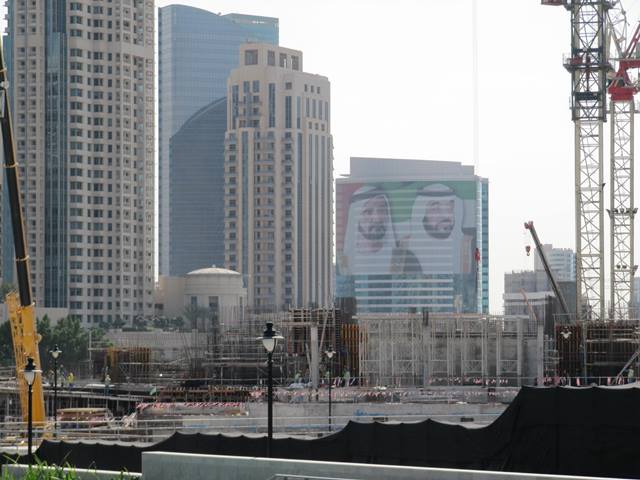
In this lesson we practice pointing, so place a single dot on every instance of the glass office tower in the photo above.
(196, 186)
(197, 51)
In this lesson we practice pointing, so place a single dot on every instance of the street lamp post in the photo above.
(330, 354)
(269, 339)
(30, 372)
(55, 353)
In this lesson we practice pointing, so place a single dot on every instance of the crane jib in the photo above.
(11, 170)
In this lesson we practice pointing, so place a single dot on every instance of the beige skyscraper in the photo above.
(83, 104)
(279, 179)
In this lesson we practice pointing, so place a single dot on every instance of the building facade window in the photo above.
(272, 105)
(287, 111)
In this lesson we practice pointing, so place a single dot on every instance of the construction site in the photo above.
(392, 350)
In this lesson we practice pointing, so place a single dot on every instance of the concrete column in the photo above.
(540, 354)
(498, 351)
(426, 342)
(315, 360)
(520, 349)
(485, 348)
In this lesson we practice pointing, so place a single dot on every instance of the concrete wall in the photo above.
(296, 418)
(169, 466)
(169, 293)
(365, 409)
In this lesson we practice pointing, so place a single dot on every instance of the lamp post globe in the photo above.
(30, 372)
(55, 353)
(269, 344)
(269, 340)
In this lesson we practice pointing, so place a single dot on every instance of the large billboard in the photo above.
(405, 246)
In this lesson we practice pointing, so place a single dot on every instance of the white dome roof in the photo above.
(214, 271)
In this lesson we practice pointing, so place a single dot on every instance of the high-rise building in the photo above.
(82, 74)
(412, 235)
(197, 51)
(196, 188)
(562, 262)
(278, 178)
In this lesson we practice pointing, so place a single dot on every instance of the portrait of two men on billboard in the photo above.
(413, 230)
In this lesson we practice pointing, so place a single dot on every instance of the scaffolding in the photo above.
(406, 350)
(609, 345)
(237, 357)
(223, 348)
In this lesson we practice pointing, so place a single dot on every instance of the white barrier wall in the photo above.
(171, 466)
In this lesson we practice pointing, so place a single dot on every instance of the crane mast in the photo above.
(622, 212)
(588, 65)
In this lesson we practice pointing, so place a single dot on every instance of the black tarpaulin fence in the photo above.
(569, 431)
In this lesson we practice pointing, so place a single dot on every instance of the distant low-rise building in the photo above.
(562, 262)
(530, 293)
(213, 289)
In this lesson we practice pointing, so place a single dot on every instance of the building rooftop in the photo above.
(213, 270)
(398, 168)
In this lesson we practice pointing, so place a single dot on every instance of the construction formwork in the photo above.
(609, 345)
(570, 354)
(127, 364)
(596, 351)
(441, 349)
(350, 347)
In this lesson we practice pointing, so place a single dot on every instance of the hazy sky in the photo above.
(401, 85)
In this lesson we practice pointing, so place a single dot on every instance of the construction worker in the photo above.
(70, 379)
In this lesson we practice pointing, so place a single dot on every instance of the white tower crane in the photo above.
(588, 64)
(622, 210)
